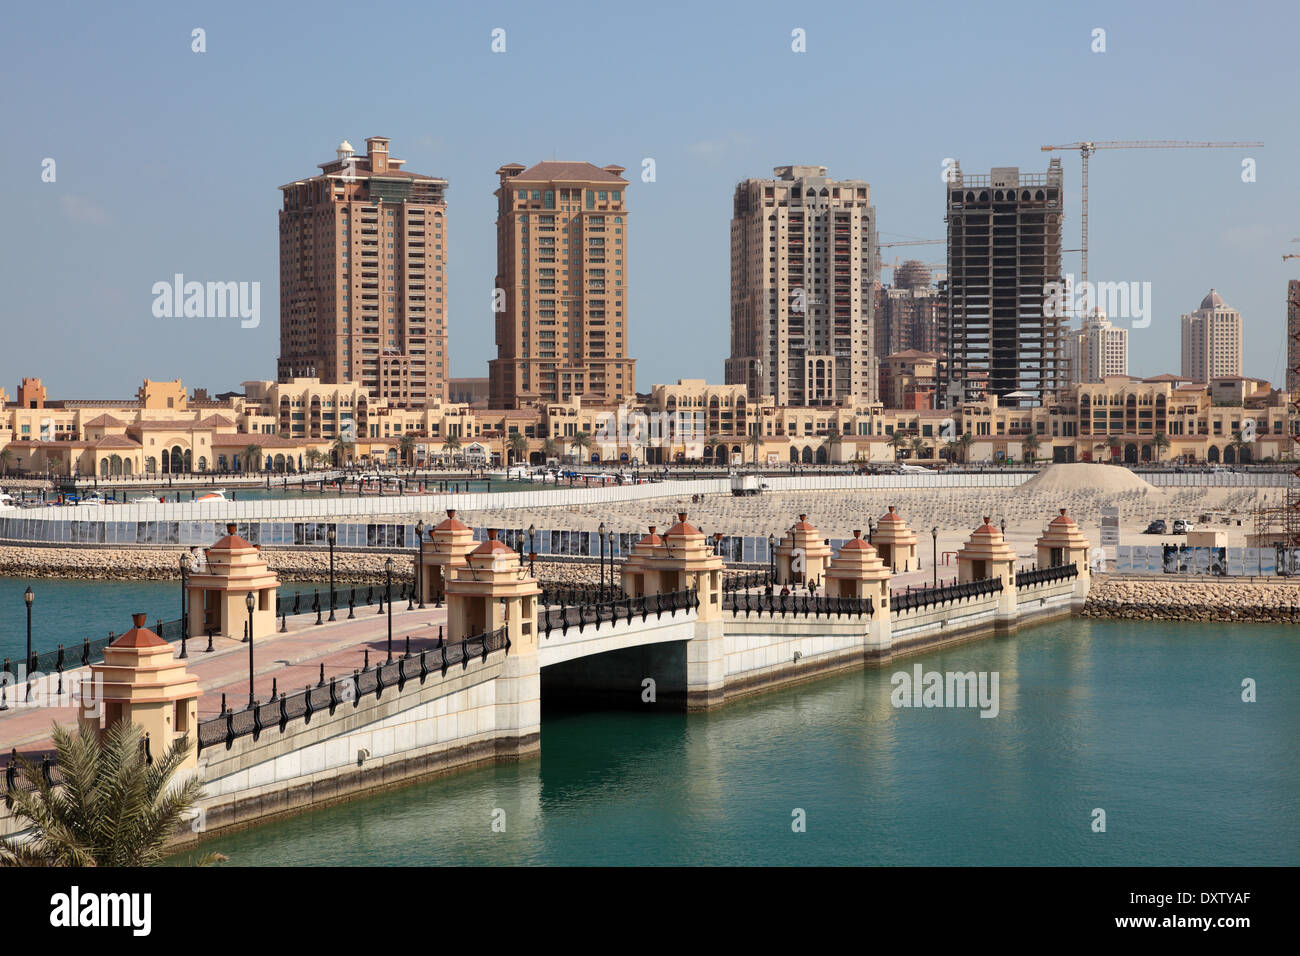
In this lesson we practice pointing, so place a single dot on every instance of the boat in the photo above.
(217, 495)
(93, 499)
(147, 500)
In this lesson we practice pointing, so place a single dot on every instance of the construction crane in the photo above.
(1088, 148)
(1291, 255)
(912, 242)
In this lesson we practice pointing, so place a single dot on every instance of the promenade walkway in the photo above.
(292, 660)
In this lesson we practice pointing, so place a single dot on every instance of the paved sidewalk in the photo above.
(291, 660)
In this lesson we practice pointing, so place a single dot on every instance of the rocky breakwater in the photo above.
(162, 564)
(1194, 599)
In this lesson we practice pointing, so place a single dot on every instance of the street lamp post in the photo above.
(388, 597)
(185, 618)
(871, 529)
(600, 534)
(28, 597)
(611, 561)
(419, 568)
(249, 601)
(331, 537)
(934, 558)
(532, 550)
(771, 559)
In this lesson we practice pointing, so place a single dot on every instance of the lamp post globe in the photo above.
(331, 536)
(388, 598)
(250, 602)
(600, 535)
(419, 567)
(28, 598)
(185, 622)
(934, 554)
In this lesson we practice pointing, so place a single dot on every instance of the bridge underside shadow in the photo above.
(618, 680)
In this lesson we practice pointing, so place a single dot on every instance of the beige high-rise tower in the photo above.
(1212, 340)
(363, 290)
(804, 260)
(561, 288)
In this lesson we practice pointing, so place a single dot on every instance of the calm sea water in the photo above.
(1142, 720)
(69, 611)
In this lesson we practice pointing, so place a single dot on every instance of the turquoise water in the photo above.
(68, 611)
(1143, 720)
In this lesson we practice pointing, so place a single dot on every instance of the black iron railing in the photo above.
(745, 580)
(348, 599)
(348, 689)
(621, 609)
(78, 655)
(564, 596)
(808, 605)
(1060, 572)
(945, 594)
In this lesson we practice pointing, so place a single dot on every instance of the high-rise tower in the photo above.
(804, 262)
(1004, 247)
(561, 286)
(363, 253)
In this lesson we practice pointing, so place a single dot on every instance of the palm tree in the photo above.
(581, 441)
(1161, 441)
(832, 443)
(110, 808)
(1030, 444)
(551, 448)
(406, 448)
(252, 457)
(1237, 444)
(918, 448)
(6, 459)
(953, 448)
(965, 440)
(342, 450)
(518, 445)
(755, 440)
(451, 444)
(1115, 445)
(898, 440)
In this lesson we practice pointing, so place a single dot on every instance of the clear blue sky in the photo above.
(168, 160)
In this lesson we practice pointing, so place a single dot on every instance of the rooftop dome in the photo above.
(1213, 301)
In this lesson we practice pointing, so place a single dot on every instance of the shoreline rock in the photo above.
(1227, 600)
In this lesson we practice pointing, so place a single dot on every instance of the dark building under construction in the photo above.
(1004, 247)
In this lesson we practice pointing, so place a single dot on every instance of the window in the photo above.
(550, 199)
(591, 199)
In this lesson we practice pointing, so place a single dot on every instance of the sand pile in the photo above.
(1088, 477)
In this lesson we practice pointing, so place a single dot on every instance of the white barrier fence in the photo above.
(1222, 479)
(192, 522)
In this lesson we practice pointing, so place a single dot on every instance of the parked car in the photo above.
(1157, 527)
(1183, 526)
